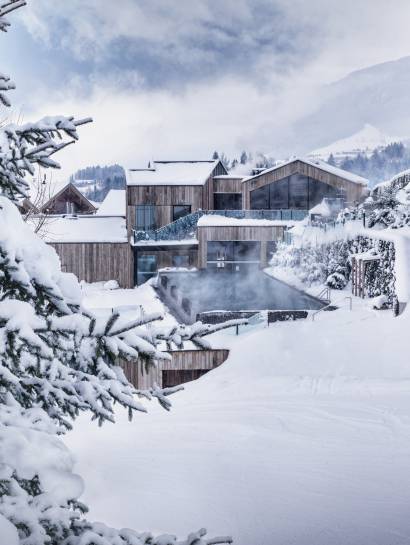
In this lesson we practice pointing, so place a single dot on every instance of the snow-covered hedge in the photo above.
(330, 264)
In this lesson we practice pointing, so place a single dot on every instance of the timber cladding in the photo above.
(354, 191)
(245, 233)
(228, 185)
(97, 261)
(182, 365)
(164, 197)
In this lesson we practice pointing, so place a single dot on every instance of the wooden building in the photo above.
(172, 215)
(69, 200)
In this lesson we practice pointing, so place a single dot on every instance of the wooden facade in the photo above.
(260, 234)
(165, 197)
(182, 365)
(97, 261)
(353, 191)
(227, 184)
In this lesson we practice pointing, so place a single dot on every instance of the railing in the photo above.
(185, 228)
(332, 304)
(324, 295)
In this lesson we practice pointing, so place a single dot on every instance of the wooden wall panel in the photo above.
(164, 197)
(97, 261)
(181, 360)
(245, 233)
(228, 185)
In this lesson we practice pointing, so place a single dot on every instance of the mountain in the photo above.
(364, 141)
(377, 96)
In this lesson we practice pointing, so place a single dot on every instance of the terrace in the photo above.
(185, 228)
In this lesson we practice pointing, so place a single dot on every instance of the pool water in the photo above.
(238, 291)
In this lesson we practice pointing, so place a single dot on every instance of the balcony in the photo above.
(185, 228)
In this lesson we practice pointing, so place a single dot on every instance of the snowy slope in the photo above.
(364, 141)
(295, 443)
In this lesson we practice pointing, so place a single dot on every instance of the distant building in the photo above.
(69, 200)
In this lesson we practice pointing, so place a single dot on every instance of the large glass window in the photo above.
(227, 201)
(233, 251)
(180, 261)
(279, 195)
(145, 217)
(146, 268)
(298, 192)
(260, 198)
(319, 190)
(180, 210)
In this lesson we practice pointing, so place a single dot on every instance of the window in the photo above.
(227, 201)
(260, 198)
(180, 210)
(146, 268)
(233, 251)
(279, 195)
(298, 192)
(180, 261)
(319, 190)
(145, 217)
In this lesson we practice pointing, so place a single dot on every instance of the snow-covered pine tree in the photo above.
(58, 360)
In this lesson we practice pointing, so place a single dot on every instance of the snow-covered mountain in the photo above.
(364, 141)
(377, 96)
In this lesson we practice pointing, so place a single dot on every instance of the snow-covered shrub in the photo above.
(330, 264)
(57, 361)
(336, 281)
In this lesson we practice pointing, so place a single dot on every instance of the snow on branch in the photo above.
(7, 8)
(23, 146)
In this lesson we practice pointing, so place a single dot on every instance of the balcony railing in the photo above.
(185, 228)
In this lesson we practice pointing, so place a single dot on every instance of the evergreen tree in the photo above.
(244, 158)
(57, 360)
(215, 156)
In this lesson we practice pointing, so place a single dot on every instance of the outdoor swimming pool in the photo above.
(192, 293)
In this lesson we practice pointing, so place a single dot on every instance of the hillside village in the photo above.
(217, 346)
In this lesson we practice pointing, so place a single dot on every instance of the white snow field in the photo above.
(301, 438)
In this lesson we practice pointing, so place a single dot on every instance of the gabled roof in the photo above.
(172, 173)
(113, 204)
(321, 165)
(71, 188)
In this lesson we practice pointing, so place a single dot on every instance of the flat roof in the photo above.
(349, 176)
(82, 228)
(172, 173)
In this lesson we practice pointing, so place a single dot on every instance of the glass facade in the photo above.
(145, 217)
(297, 192)
(227, 201)
(233, 251)
(180, 210)
(146, 268)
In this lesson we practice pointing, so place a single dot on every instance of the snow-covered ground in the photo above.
(302, 437)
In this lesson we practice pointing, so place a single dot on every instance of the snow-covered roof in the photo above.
(228, 177)
(83, 229)
(355, 178)
(213, 220)
(113, 204)
(172, 173)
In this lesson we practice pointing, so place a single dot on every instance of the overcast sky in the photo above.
(178, 79)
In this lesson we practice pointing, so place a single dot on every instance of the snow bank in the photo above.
(301, 437)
